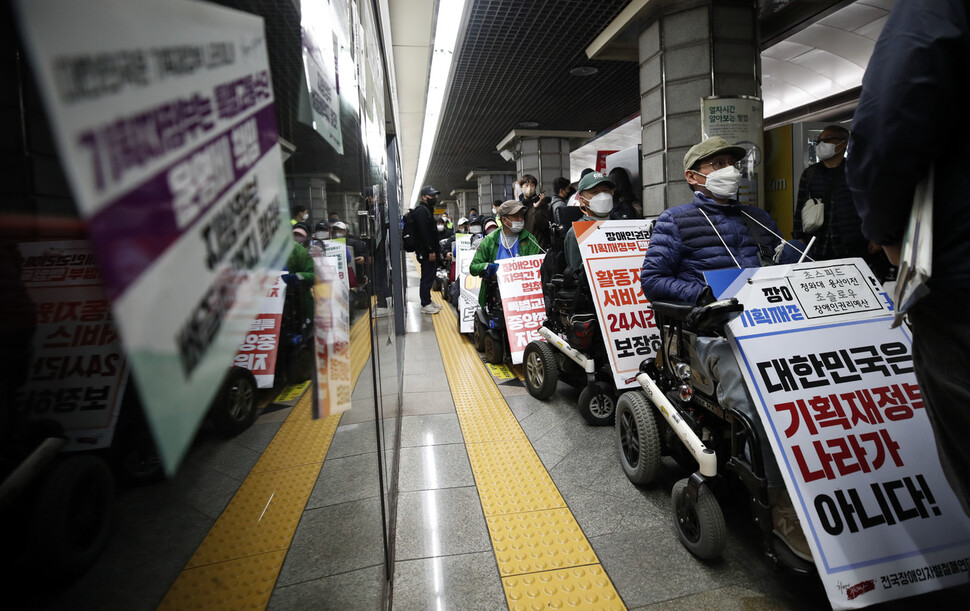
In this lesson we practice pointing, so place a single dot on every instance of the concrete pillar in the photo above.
(492, 186)
(686, 52)
(467, 198)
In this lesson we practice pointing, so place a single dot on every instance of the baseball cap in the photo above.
(510, 207)
(592, 179)
(339, 225)
(709, 147)
(462, 221)
(428, 190)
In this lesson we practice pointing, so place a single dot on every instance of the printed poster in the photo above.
(260, 347)
(612, 257)
(331, 325)
(520, 285)
(468, 285)
(163, 117)
(320, 103)
(77, 371)
(337, 249)
(740, 121)
(837, 393)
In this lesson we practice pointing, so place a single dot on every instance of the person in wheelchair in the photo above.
(595, 197)
(715, 231)
(511, 240)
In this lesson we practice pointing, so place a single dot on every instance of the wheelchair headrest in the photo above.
(567, 214)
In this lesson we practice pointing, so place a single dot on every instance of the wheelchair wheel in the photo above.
(541, 370)
(494, 353)
(637, 438)
(478, 335)
(700, 525)
(597, 405)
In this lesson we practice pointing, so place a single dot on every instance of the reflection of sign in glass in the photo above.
(77, 370)
(320, 104)
(187, 211)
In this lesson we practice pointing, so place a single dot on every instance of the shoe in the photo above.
(430, 309)
(788, 528)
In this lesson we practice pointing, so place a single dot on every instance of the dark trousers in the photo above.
(429, 270)
(941, 353)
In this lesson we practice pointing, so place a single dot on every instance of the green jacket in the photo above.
(489, 248)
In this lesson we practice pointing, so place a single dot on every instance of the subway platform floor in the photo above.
(484, 470)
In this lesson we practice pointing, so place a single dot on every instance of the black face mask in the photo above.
(431, 201)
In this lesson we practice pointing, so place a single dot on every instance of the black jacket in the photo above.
(427, 231)
(841, 233)
(909, 116)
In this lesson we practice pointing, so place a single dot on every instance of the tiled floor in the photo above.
(444, 556)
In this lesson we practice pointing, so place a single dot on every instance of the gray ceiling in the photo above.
(512, 65)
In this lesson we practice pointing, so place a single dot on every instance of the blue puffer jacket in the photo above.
(684, 244)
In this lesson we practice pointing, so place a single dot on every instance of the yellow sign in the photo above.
(439, 211)
(294, 391)
(500, 371)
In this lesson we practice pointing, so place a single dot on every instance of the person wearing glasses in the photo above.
(714, 231)
(840, 234)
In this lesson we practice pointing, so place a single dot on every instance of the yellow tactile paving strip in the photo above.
(238, 562)
(544, 559)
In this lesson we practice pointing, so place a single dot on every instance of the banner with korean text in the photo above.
(331, 324)
(77, 370)
(612, 256)
(520, 285)
(259, 349)
(164, 119)
(468, 285)
(837, 393)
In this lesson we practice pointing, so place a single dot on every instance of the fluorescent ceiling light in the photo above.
(445, 35)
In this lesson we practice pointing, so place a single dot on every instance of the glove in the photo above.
(491, 269)
(706, 297)
(291, 279)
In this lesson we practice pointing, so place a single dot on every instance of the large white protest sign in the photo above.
(468, 285)
(837, 393)
(77, 370)
(520, 285)
(164, 120)
(612, 256)
(319, 101)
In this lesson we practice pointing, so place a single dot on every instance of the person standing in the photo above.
(300, 214)
(428, 248)
(840, 234)
(560, 193)
(537, 212)
(907, 121)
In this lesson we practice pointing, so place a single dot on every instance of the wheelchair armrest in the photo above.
(672, 310)
(713, 316)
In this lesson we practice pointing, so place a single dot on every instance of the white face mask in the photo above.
(306, 215)
(441, 227)
(494, 211)
(528, 190)
(517, 226)
(475, 229)
(723, 183)
(825, 150)
(600, 204)
(322, 235)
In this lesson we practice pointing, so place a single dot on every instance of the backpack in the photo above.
(409, 237)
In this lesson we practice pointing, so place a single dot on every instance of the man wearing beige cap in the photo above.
(511, 240)
(711, 232)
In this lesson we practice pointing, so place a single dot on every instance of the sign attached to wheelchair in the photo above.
(259, 349)
(837, 393)
(520, 285)
(613, 255)
(468, 285)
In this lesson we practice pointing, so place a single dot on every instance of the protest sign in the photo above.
(837, 393)
(77, 371)
(331, 323)
(520, 285)
(259, 349)
(319, 100)
(164, 121)
(612, 257)
(468, 285)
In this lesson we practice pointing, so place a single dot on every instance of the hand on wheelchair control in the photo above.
(291, 279)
